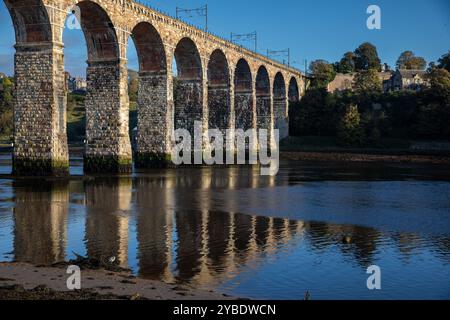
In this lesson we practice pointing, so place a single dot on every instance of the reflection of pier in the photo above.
(40, 217)
(108, 205)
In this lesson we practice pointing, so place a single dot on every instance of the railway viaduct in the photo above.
(219, 83)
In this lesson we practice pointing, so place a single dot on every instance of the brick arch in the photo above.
(219, 91)
(30, 20)
(189, 63)
(150, 48)
(243, 95)
(263, 99)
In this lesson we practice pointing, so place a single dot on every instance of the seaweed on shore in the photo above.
(85, 263)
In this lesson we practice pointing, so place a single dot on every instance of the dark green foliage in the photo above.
(409, 61)
(397, 115)
(366, 57)
(444, 62)
(322, 73)
(6, 108)
(347, 63)
(349, 131)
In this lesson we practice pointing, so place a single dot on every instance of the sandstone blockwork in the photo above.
(217, 83)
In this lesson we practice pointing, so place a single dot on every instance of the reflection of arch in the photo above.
(150, 48)
(263, 98)
(188, 86)
(243, 100)
(218, 91)
(30, 20)
(99, 31)
(293, 92)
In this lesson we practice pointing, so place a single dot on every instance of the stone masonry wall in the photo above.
(40, 142)
(107, 116)
(281, 121)
(219, 108)
(244, 110)
(153, 147)
(188, 98)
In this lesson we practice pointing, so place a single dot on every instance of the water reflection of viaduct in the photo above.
(218, 83)
(201, 244)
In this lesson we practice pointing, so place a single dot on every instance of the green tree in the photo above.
(322, 73)
(349, 132)
(440, 83)
(409, 61)
(367, 82)
(444, 62)
(133, 84)
(366, 57)
(347, 63)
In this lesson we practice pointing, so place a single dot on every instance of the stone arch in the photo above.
(99, 32)
(189, 64)
(188, 86)
(31, 21)
(280, 105)
(293, 91)
(152, 138)
(108, 147)
(150, 48)
(40, 140)
(263, 99)
(219, 91)
(243, 91)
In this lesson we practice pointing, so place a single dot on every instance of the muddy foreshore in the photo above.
(22, 281)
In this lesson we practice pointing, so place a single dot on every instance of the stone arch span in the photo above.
(243, 92)
(280, 105)
(153, 136)
(293, 91)
(219, 91)
(108, 147)
(40, 137)
(188, 86)
(263, 99)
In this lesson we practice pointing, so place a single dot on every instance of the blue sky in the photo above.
(319, 29)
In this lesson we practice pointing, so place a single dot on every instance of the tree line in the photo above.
(365, 115)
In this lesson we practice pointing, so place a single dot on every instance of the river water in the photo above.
(243, 234)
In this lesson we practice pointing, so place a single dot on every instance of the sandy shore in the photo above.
(24, 281)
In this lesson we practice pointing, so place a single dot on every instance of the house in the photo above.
(75, 84)
(408, 80)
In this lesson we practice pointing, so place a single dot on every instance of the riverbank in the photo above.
(364, 157)
(22, 281)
